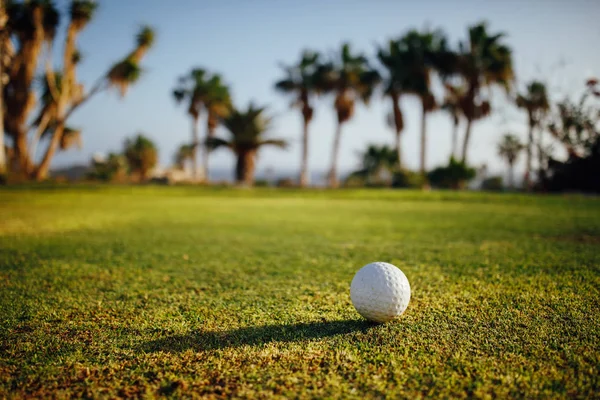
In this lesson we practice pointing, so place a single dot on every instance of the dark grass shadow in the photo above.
(255, 335)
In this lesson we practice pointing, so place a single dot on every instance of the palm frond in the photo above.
(51, 20)
(81, 12)
(274, 142)
(123, 74)
(286, 85)
(70, 137)
(145, 36)
(214, 143)
(179, 95)
(77, 57)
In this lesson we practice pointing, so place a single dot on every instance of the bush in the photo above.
(408, 179)
(455, 175)
(113, 169)
(577, 174)
(492, 184)
(261, 183)
(286, 183)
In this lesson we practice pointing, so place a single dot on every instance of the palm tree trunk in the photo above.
(195, 141)
(21, 154)
(466, 141)
(3, 20)
(399, 125)
(454, 139)
(3, 168)
(423, 140)
(244, 169)
(528, 160)
(38, 134)
(541, 172)
(333, 181)
(399, 150)
(205, 153)
(511, 176)
(41, 171)
(304, 163)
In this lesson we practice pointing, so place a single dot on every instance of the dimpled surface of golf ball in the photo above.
(380, 292)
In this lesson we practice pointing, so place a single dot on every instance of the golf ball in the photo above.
(380, 292)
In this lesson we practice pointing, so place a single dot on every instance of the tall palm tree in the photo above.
(302, 81)
(52, 89)
(247, 130)
(3, 158)
(81, 12)
(509, 149)
(482, 61)
(535, 102)
(121, 75)
(141, 155)
(217, 103)
(394, 85)
(207, 92)
(420, 49)
(350, 78)
(29, 25)
(192, 88)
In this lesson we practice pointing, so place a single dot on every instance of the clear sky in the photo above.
(245, 40)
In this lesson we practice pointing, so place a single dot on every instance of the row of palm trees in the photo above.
(405, 66)
(408, 66)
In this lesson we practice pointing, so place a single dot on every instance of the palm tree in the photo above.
(247, 129)
(203, 92)
(29, 25)
(192, 88)
(482, 62)
(218, 105)
(302, 81)
(3, 158)
(81, 12)
(350, 77)
(394, 83)
(121, 75)
(535, 102)
(141, 155)
(509, 149)
(52, 89)
(419, 50)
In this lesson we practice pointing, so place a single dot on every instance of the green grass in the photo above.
(117, 291)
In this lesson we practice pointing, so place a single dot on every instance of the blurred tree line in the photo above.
(36, 107)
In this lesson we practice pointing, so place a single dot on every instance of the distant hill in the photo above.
(72, 173)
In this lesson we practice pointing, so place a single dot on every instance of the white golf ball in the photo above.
(380, 291)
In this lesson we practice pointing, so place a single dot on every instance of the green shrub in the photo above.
(261, 183)
(492, 184)
(455, 175)
(114, 168)
(408, 179)
(286, 183)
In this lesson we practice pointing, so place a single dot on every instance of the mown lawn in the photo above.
(148, 291)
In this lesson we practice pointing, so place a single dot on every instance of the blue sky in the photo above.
(245, 40)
